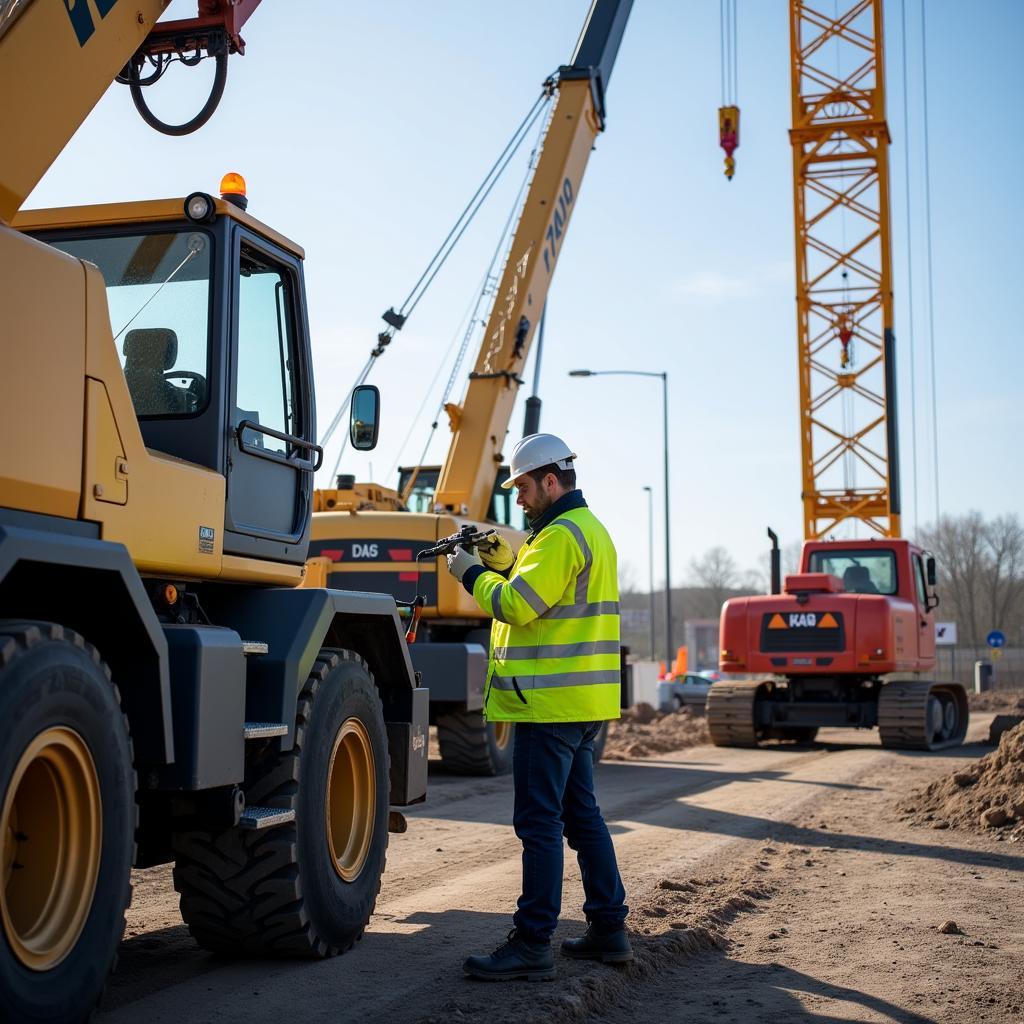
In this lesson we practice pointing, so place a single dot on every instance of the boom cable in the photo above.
(396, 320)
(488, 288)
(928, 259)
(910, 273)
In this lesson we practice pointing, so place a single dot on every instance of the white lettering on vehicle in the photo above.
(804, 619)
(364, 550)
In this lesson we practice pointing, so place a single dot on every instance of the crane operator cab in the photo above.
(208, 316)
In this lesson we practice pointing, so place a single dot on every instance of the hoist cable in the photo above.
(727, 51)
(928, 259)
(504, 242)
(456, 233)
(910, 273)
(471, 208)
(441, 363)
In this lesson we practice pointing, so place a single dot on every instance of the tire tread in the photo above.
(240, 889)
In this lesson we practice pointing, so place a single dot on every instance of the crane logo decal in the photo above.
(557, 225)
(81, 17)
(803, 620)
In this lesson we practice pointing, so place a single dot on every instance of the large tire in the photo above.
(283, 891)
(67, 823)
(470, 745)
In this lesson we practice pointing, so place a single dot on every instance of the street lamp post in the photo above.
(650, 558)
(669, 653)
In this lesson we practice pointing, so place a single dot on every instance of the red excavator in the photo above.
(850, 639)
(846, 643)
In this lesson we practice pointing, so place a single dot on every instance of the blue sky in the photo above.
(362, 129)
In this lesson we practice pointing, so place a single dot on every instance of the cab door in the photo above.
(271, 454)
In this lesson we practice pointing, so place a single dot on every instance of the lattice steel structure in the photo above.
(844, 269)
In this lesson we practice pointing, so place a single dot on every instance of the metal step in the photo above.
(264, 730)
(254, 647)
(264, 817)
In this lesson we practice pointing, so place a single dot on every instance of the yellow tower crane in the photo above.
(843, 240)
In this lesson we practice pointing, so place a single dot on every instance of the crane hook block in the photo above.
(393, 319)
(729, 136)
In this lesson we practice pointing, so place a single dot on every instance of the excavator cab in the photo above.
(502, 511)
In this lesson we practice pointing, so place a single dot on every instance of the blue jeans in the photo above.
(553, 771)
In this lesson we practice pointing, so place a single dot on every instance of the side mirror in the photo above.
(364, 417)
(929, 569)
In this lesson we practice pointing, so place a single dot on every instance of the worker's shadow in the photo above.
(712, 985)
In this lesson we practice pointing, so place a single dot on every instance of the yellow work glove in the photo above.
(496, 553)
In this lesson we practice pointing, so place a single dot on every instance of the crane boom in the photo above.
(846, 345)
(58, 58)
(481, 423)
(56, 61)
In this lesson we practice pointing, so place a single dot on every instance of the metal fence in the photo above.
(957, 664)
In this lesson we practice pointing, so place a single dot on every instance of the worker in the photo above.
(554, 671)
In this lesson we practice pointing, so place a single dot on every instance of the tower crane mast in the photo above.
(840, 141)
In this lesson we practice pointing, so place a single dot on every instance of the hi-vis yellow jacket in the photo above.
(555, 637)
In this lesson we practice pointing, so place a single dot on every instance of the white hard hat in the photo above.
(535, 451)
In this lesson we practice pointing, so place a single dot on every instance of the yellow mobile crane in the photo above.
(167, 692)
(363, 535)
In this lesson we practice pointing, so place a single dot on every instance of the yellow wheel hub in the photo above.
(351, 799)
(51, 829)
(502, 734)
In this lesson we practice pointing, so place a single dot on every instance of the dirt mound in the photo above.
(986, 796)
(997, 700)
(681, 917)
(643, 732)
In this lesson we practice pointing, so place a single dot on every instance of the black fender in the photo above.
(58, 570)
(296, 623)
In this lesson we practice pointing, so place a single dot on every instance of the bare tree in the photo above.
(717, 573)
(759, 580)
(1005, 538)
(627, 578)
(959, 548)
(981, 571)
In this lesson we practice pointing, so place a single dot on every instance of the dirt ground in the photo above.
(775, 884)
(643, 732)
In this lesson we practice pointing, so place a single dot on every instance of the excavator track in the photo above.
(916, 715)
(730, 711)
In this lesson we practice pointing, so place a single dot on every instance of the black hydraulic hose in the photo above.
(136, 84)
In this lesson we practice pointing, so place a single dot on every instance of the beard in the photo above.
(538, 507)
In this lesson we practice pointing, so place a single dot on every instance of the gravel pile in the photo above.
(644, 732)
(986, 796)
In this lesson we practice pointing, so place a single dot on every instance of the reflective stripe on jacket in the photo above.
(555, 637)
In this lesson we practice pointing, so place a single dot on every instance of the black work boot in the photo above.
(514, 958)
(610, 947)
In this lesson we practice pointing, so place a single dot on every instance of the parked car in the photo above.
(688, 690)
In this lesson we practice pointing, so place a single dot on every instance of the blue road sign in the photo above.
(996, 638)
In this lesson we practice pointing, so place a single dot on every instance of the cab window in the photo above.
(922, 590)
(862, 571)
(424, 486)
(504, 509)
(266, 341)
(158, 297)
